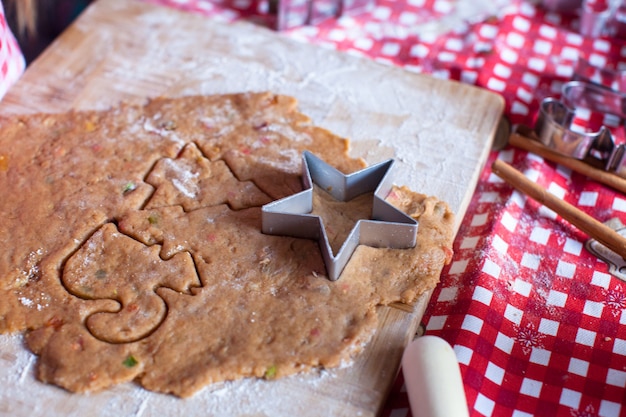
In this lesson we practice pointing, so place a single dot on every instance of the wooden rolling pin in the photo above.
(607, 178)
(587, 224)
(433, 379)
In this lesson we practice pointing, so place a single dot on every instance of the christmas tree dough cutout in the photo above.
(110, 265)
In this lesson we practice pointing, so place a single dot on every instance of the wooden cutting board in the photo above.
(439, 132)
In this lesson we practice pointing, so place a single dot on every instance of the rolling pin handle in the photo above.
(433, 379)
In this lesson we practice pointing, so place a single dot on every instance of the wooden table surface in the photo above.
(439, 132)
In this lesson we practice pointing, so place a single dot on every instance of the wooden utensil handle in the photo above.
(584, 222)
(538, 148)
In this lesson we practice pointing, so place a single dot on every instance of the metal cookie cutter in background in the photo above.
(389, 227)
(554, 125)
(602, 18)
(610, 78)
(597, 18)
(293, 13)
(617, 264)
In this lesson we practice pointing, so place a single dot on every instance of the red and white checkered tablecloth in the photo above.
(538, 323)
(12, 62)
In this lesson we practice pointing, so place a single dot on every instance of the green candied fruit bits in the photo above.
(270, 373)
(130, 361)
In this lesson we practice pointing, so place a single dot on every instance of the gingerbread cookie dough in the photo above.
(131, 245)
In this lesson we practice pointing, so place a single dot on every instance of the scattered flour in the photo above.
(233, 399)
(183, 178)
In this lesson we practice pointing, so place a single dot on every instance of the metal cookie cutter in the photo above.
(601, 18)
(389, 227)
(614, 79)
(597, 18)
(617, 264)
(294, 13)
(554, 125)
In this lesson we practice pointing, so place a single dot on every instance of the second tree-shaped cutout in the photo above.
(111, 265)
(191, 180)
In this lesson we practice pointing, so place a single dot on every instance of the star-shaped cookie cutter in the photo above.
(388, 227)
